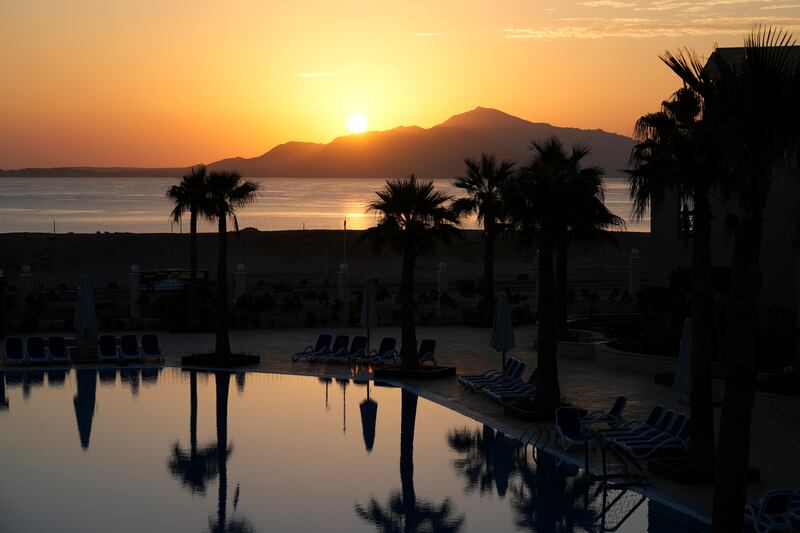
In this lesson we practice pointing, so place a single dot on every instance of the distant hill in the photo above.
(436, 152)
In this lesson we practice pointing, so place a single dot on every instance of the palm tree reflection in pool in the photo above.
(403, 511)
(202, 464)
(488, 458)
(199, 465)
(222, 523)
(545, 496)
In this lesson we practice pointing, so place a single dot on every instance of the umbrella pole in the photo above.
(504, 361)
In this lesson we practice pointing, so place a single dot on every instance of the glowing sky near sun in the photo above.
(152, 83)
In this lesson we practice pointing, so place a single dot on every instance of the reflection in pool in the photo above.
(146, 449)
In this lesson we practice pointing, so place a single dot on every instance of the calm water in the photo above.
(86, 205)
(169, 450)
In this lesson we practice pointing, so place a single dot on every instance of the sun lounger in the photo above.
(338, 349)
(772, 512)
(516, 370)
(794, 509)
(14, 353)
(57, 349)
(614, 416)
(487, 374)
(129, 348)
(659, 428)
(569, 428)
(490, 375)
(385, 353)
(523, 388)
(634, 427)
(514, 384)
(357, 347)
(426, 349)
(676, 438)
(151, 349)
(107, 348)
(35, 349)
(465, 380)
(323, 343)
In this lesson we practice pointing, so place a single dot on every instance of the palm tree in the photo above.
(483, 186)
(227, 192)
(535, 203)
(189, 196)
(754, 112)
(584, 216)
(675, 155)
(404, 511)
(413, 217)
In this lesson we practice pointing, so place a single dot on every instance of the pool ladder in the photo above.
(536, 435)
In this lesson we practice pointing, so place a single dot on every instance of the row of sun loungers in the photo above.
(129, 348)
(336, 350)
(662, 431)
(33, 350)
(505, 386)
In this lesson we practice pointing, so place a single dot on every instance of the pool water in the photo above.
(146, 449)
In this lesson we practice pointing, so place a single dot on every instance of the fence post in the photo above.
(134, 278)
(634, 273)
(343, 276)
(240, 282)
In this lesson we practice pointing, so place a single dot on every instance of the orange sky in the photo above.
(154, 83)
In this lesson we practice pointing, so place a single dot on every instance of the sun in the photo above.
(357, 123)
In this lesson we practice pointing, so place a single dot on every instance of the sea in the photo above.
(139, 205)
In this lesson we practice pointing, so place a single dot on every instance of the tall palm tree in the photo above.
(483, 186)
(227, 192)
(404, 511)
(413, 217)
(584, 216)
(755, 113)
(189, 196)
(675, 155)
(535, 203)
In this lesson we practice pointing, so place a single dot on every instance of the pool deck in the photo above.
(776, 431)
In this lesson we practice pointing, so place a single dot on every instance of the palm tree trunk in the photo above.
(701, 445)
(408, 417)
(488, 275)
(408, 331)
(549, 394)
(562, 249)
(193, 269)
(740, 379)
(223, 382)
(223, 344)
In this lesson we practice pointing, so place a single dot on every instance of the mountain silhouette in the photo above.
(435, 152)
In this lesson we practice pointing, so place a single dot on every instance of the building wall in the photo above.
(780, 258)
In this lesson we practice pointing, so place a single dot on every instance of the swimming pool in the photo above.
(146, 449)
